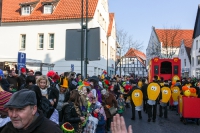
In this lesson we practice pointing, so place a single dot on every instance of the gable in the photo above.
(197, 24)
(65, 9)
(172, 37)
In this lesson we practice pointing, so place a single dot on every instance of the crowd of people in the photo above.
(50, 102)
(33, 102)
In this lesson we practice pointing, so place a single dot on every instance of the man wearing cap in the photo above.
(134, 86)
(25, 118)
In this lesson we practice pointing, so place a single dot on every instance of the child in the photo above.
(101, 121)
(121, 104)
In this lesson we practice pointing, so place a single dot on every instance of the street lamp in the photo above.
(119, 47)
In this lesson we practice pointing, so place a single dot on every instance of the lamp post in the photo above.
(84, 39)
(120, 59)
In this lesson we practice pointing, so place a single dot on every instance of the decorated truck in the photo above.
(166, 68)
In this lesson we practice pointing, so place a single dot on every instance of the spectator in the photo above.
(25, 117)
(30, 81)
(13, 80)
(22, 77)
(3, 82)
(37, 74)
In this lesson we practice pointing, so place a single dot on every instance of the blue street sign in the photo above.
(21, 62)
(72, 67)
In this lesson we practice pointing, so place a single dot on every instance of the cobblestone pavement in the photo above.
(170, 125)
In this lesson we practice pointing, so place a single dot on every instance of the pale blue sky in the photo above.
(138, 16)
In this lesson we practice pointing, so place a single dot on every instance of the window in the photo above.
(182, 51)
(198, 60)
(184, 62)
(48, 9)
(26, 10)
(40, 41)
(51, 41)
(196, 44)
(23, 42)
(192, 61)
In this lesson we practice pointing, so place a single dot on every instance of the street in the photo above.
(170, 125)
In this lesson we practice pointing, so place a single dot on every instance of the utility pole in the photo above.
(84, 39)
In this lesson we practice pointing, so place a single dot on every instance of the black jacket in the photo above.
(53, 93)
(144, 91)
(70, 115)
(4, 84)
(130, 92)
(40, 125)
(22, 80)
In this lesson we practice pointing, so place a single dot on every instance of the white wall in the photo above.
(153, 43)
(10, 41)
(195, 69)
(183, 55)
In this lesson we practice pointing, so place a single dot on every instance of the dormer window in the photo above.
(48, 9)
(26, 10)
(49, 6)
(28, 6)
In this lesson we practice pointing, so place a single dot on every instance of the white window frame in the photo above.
(40, 43)
(24, 42)
(198, 61)
(26, 10)
(192, 61)
(48, 9)
(49, 41)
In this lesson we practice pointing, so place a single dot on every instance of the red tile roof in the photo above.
(173, 37)
(137, 54)
(65, 9)
(111, 17)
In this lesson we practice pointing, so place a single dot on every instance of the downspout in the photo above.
(107, 55)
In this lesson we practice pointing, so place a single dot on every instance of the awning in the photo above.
(29, 62)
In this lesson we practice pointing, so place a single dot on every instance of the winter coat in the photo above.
(4, 84)
(22, 80)
(101, 124)
(111, 101)
(144, 91)
(13, 81)
(70, 115)
(53, 93)
(40, 125)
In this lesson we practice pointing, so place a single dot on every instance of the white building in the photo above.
(165, 43)
(133, 63)
(184, 55)
(195, 50)
(38, 28)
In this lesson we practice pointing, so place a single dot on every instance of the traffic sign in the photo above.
(21, 62)
(72, 67)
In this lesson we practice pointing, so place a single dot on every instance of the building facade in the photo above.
(133, 63)
(38, 28)
(184, 55)
(195, 50)
(165, 43)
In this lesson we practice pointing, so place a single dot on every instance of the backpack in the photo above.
(46, 107)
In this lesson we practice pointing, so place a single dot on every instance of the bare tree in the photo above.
(126, 41)
(134, 44)
(168, 43)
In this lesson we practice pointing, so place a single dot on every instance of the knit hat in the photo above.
(23, 70)
(21, 99)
